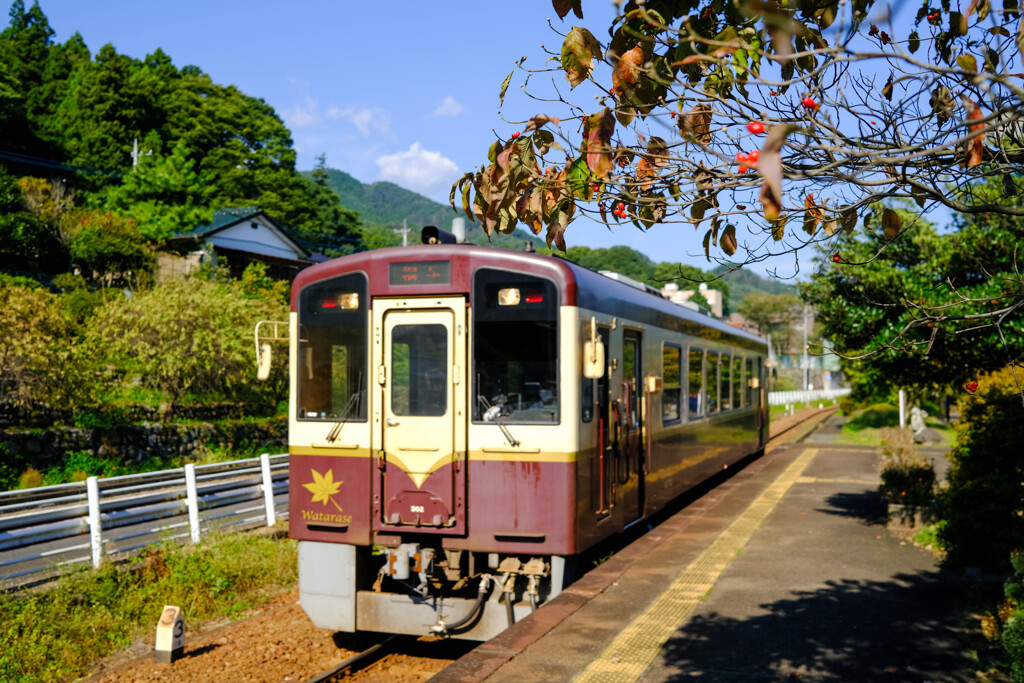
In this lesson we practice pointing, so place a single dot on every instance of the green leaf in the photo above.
(580, 178)
(967, 62)
(542, 140)
(578, 52)
(913, 42)
(504, 87)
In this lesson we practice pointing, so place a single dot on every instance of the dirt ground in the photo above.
(276, 642)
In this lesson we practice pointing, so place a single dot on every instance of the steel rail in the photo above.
(364, 658)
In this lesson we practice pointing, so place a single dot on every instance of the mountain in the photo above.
(743, 282)
(386, 205)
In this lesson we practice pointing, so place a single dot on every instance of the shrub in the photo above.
(984, 502)
(847, 404)
(41, 358)
(30, 479)
(189, 337)
(907, 478)
(1010, 617)
(876, 416)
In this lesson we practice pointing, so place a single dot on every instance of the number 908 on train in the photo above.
(465, 421)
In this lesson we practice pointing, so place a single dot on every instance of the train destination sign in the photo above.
(420, 273)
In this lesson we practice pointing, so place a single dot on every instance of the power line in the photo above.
(59, 165)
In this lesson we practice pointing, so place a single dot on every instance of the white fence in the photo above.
(49, 529)
(781, 398)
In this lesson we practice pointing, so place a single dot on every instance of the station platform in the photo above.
(784, 571)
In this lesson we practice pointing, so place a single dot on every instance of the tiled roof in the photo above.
(222, 218)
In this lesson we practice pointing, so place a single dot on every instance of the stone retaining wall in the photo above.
(42, 416)
(138, 442)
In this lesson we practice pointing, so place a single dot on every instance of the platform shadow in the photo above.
(898, 630)
(867, 506)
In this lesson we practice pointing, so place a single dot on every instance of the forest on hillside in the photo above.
(104, 159)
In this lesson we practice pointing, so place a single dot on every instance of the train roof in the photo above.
(577, 285)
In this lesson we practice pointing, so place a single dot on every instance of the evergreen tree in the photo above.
(25, 44)
(163, 194)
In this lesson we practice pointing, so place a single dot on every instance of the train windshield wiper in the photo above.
(353, 401)
(492, 413)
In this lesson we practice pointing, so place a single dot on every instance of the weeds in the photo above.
(90, 614)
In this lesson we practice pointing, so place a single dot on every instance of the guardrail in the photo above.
(46, 530)
(781, 398)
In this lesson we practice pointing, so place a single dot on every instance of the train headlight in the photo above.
(348, 301)
(508, 296)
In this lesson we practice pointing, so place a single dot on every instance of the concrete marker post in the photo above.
(192, 501)
(903, 408)
(268, 489)
(92, 490)
(170, 635)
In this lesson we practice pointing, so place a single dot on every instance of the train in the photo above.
(466, 421)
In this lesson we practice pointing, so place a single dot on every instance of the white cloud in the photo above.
(449, 108)
(418, 169)
(368, 121)
(303, 115)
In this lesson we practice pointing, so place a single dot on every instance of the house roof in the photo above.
(223, 218)
(222, 232)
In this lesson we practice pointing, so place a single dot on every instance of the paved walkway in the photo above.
(786, 571)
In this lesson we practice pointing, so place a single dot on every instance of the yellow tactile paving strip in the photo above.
(636, 648)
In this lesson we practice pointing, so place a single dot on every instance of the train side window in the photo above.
(695, 405)
(712, 381)
(672, 388)
(750, 381)
(737, 381)
(725, 384)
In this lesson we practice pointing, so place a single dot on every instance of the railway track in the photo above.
(413, 666)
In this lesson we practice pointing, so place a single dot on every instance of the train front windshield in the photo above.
(332, 369)
(515, 348)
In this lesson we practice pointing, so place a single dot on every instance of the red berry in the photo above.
(754, 156)
(836, 258)
(755, 127)
(673, 114)
(971, 386)
(741, 156)
(515, 135)
(809, 102)
(621, 207)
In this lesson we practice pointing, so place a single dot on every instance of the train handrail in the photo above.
(237, 494)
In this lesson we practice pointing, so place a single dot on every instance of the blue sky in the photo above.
(404, 91)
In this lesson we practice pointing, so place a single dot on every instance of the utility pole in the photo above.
(807, 364)
(404, 230)
(136, 154)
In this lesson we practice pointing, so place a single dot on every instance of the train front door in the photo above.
(629, 462)
(418, 352)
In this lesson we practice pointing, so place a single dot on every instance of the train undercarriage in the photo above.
(418, 589)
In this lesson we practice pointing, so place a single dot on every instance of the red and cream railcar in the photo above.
(464, 421)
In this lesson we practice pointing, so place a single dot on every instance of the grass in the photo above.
(865, 426)
(58, 633)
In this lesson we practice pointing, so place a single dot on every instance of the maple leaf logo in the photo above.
(323, 487)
